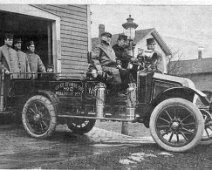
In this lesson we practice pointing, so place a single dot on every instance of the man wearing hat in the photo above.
(121, 51)
(150, 59)
(23, 62)
(35, 63)
(8, 56)
(104, 59)
(8, 64)
(123, 59)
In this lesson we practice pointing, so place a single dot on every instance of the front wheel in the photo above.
(176, 125)
(39, 117)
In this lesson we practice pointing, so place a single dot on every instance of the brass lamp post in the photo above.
(129, 31)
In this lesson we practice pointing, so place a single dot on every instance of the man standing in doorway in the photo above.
(8, 56)
(36, 65)
(8, 64)
(23, 62)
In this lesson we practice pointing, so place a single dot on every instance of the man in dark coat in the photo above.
(35, 63)
(104, 59)
(122, 58)
(121, 51)
(23, 62)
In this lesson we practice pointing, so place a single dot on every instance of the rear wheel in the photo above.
(80, 125)
(176, 125)
(39, 117)
(207, 116)
(207, 134)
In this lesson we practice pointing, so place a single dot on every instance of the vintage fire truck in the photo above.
(178, 115)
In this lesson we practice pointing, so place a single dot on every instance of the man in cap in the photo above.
(8, 64)
(35, 63)
(104, 59)
(23, 62)
(8, 56)
(150, 59)
(123, 59)
(121, 51)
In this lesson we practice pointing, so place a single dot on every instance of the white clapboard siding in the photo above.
(74, 36)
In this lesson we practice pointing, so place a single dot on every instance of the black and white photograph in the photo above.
(103, 85)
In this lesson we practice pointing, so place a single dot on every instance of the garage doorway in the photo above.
(29, 28)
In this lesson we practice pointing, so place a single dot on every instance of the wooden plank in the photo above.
(71, 15)
(74, 7)
(74, 63)
(68, 9)
(74, 54)
(74, 20)
(74, 37)
(74, 25)
(79, 68)
(69, 28)
(71, 44)
(67, 32)
(64, 40)
(78, 50)
(80, 6)
(76, 33)
(74, 71)
(74, 49)
(75, 58)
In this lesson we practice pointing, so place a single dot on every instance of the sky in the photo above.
(179, 25)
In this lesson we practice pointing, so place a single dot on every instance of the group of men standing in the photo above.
(114, 61)
(18, 63)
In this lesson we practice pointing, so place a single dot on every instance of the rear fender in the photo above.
(182, 92)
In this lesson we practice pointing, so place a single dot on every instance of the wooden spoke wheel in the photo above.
(39, 117)
(80, 125)
(176, 125)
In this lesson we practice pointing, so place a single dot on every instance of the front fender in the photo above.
(182, 92)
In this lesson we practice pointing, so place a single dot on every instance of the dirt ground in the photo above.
(135, 129)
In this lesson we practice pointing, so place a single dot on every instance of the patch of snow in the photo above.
(126, 161)
(165, 154)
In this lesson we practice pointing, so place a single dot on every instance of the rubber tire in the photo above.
(178, 101)
(51, 110)
(206, 142)
(82, 130)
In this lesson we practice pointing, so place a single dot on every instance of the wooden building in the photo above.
(61, 33)
(198, 70)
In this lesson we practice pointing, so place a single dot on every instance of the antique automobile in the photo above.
(178, 115)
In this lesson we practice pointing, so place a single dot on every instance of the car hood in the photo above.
(183, 81)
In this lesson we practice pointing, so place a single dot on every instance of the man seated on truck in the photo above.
(150, 59)
(104, 60)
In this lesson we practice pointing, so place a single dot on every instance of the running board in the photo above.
(87, 117)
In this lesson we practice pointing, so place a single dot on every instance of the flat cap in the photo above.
(122, 37)
(30, 43)
(107, 34)
(8, 36)
(150, 41)
(17, 40)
